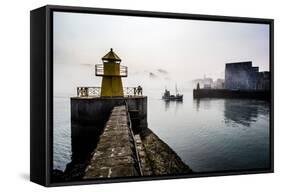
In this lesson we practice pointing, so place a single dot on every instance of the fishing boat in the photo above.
(168, 97)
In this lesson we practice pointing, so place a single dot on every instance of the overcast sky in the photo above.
(171, 50)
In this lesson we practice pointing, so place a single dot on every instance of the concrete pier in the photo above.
(115, 155)
(89, 115)
(110, 138)
(232, 94)
(120, 153)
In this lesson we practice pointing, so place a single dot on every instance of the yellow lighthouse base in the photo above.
(112, 87)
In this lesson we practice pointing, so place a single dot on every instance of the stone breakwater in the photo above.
(232, 94)
(162, 159)
(121, 153)
(115, 154)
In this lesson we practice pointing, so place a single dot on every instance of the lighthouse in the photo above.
(111, 72)
(92, 107)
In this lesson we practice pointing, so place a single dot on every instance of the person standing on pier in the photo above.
(139, 89)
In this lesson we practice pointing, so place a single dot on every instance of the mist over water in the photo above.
(208, 134)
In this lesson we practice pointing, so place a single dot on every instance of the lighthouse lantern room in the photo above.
(111, 72)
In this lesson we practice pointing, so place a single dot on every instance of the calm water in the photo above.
(62, 134)
(208, 134)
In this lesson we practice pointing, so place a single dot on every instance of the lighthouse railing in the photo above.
(96, 91)
(88, 91)
(99, 71)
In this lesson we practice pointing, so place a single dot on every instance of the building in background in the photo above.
(243, 76)
(207, 82)
(263, 81)
(219, 84)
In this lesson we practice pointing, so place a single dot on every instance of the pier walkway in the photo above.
(116, 154)
(120, 153)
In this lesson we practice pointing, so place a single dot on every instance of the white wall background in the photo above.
(14, 101)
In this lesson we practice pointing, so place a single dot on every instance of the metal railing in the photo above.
(96, 91)
(131, 133)
(99, 71)
(88, 91)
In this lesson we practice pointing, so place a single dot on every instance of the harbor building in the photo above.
(263, 82)
(242, 80)
(219, 84)
(243, 76)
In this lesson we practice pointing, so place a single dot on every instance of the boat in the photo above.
(168, 97)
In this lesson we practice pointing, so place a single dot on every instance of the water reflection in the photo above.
(197, 103)
(167, 105)
(202, 103)
(176, 105)
(242, 112)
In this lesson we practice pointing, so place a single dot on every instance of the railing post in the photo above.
(86, 91)
(96, 70)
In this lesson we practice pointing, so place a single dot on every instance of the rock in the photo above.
(163, 160)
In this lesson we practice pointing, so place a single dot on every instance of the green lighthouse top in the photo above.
(111, 56)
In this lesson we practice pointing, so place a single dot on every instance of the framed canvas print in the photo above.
(122, 95)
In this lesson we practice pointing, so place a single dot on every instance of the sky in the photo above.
(158, 52)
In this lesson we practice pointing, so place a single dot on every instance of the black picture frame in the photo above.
(41, 90)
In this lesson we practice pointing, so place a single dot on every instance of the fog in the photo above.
(158, 52)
